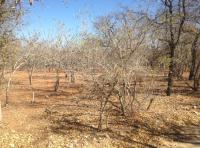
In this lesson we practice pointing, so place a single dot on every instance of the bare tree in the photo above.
(170, 21)
(194, 55)
(194, 30)
(20, 59)
(122, 44)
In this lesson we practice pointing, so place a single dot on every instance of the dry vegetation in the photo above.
(68, 119)
(133, 82)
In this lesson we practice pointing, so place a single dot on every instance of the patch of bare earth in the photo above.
(65, 119)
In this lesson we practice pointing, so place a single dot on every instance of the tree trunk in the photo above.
(66, 76)
(101, 113)
(7, 90)
(3, 72)
(10, 78)
(121, 105)
(192, 69)
(196, 83)
(133, 94)
(72, 77)
(100, 117)
(31, 75)
(171, 71)
(194, 56)
(57, 83)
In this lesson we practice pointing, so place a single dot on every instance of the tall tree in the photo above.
(169, 22)
(194, 19)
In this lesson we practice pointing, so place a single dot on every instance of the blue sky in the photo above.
(77, 15)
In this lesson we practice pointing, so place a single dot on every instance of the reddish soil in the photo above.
(64, 119)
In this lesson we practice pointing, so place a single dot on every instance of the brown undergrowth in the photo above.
(68, 118)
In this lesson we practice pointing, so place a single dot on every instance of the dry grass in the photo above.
(64, 119)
